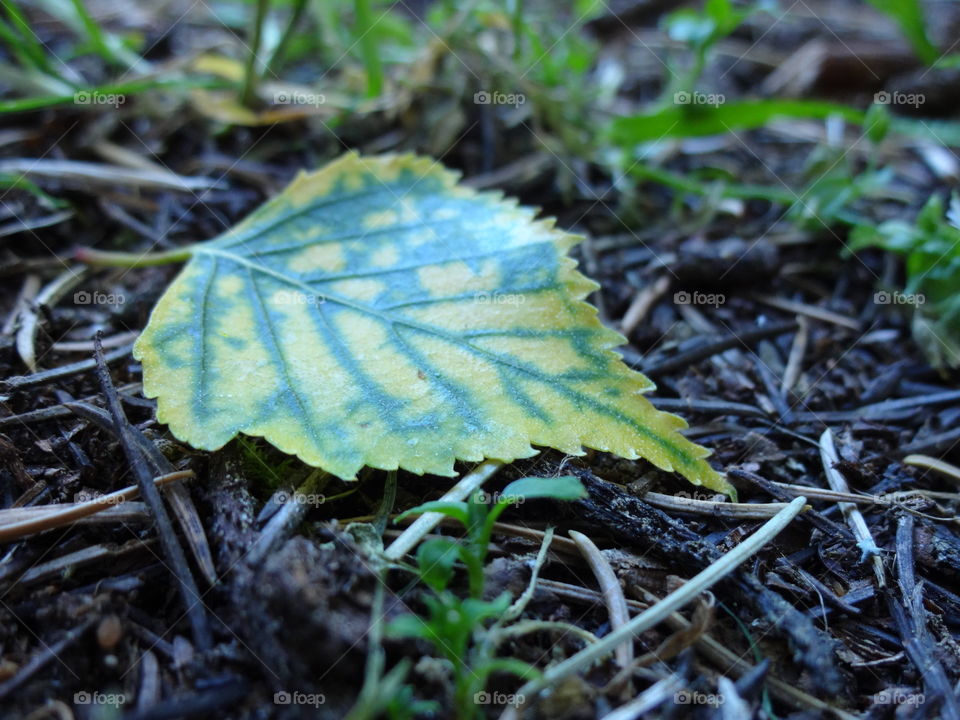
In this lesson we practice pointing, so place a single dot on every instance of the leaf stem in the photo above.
(108, 258)
(386, 506)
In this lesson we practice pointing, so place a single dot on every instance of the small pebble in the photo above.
(109, 632)
(8, 669)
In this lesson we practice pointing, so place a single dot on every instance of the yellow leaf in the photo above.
(378, 313)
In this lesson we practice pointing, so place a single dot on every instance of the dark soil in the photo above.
(94, 607)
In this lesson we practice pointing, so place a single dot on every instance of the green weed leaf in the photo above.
(565, 487)
(931, 246)
(456, 510)
(435, 559)
(410, 626)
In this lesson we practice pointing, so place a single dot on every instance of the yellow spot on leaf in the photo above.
(327, 257)
(381, 219)
(387, 256)
(360, 289)
(456, 278)
(444, 214)
(230, 286)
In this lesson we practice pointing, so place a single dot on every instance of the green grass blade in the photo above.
(367, 38)
(248, 95)
(289, 32)
(22, 183)
(21, 39)
(130, 88)
(701, 120)
(95, 34)
(909, 16)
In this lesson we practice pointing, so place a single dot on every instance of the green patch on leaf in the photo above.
(378, 313)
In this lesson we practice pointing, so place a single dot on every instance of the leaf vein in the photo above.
(279, 359)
